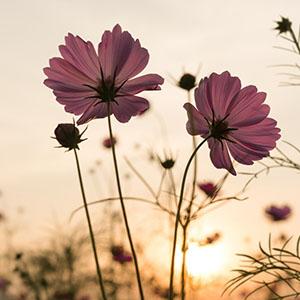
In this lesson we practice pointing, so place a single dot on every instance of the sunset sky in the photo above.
(228, 35)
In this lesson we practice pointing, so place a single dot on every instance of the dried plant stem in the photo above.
(171, 291)
(138, 277)
(100, 279)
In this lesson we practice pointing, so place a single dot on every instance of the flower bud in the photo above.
(187, 81)
(284, 25)
(108, 143)
(209, 188)
(68, 136)
(168, 163)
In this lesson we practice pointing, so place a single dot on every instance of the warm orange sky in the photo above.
(229, 35)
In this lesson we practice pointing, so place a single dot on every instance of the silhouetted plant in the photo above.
(274, 269)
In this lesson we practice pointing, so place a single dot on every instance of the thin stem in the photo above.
(100, 279)
(195, 167)
(189, 210)
(172, 195)
(138, 277)
(164, 209)
(140, 176)
(171, 292)
(183, 271)
(173, 186)
(295, 40)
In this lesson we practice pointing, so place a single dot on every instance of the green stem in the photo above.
(171, 292)
(100, 279)
(138, 277)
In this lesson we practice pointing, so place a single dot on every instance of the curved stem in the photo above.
(100, 279)
(189, 211)
(171, 292)
(164, 209)
(195, 167)
(138, 277)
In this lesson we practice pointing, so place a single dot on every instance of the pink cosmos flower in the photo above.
(107, 142)
(235, 119)
(120, 255)
(278, 213)
(122, 258)
(85, 81)
(3, 284)
(209, 188)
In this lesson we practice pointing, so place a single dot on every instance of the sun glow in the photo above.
(205, 262)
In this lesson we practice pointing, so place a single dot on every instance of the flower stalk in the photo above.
(100, 278)
(135, 260)
(185, 225)
(171, 291)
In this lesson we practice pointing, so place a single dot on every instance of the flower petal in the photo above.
(223, 88)
(247, 101)
(245, 155)
(261, 136)
(203, 101)
(61, 70)
(250, 116)
(120, 55)
(95, 110)
(82, 55)
(66, 87)
(76, 107)
(143, 83)
(196, 123)
(219, 155)
(128, 106)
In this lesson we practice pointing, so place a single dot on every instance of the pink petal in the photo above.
(203, 101)
(242, 97)
(119, 54)
(78, 94)
(61, 70)
(135, 63)
(196, 123)
(128, 106)
(250, 116)
(219, 155)
(223, 88)
(65, 87)
(94, 111)
(81, 55)
(248, 99)
(245, 155)
(143, 83)
(262, 136)
(76, 107)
